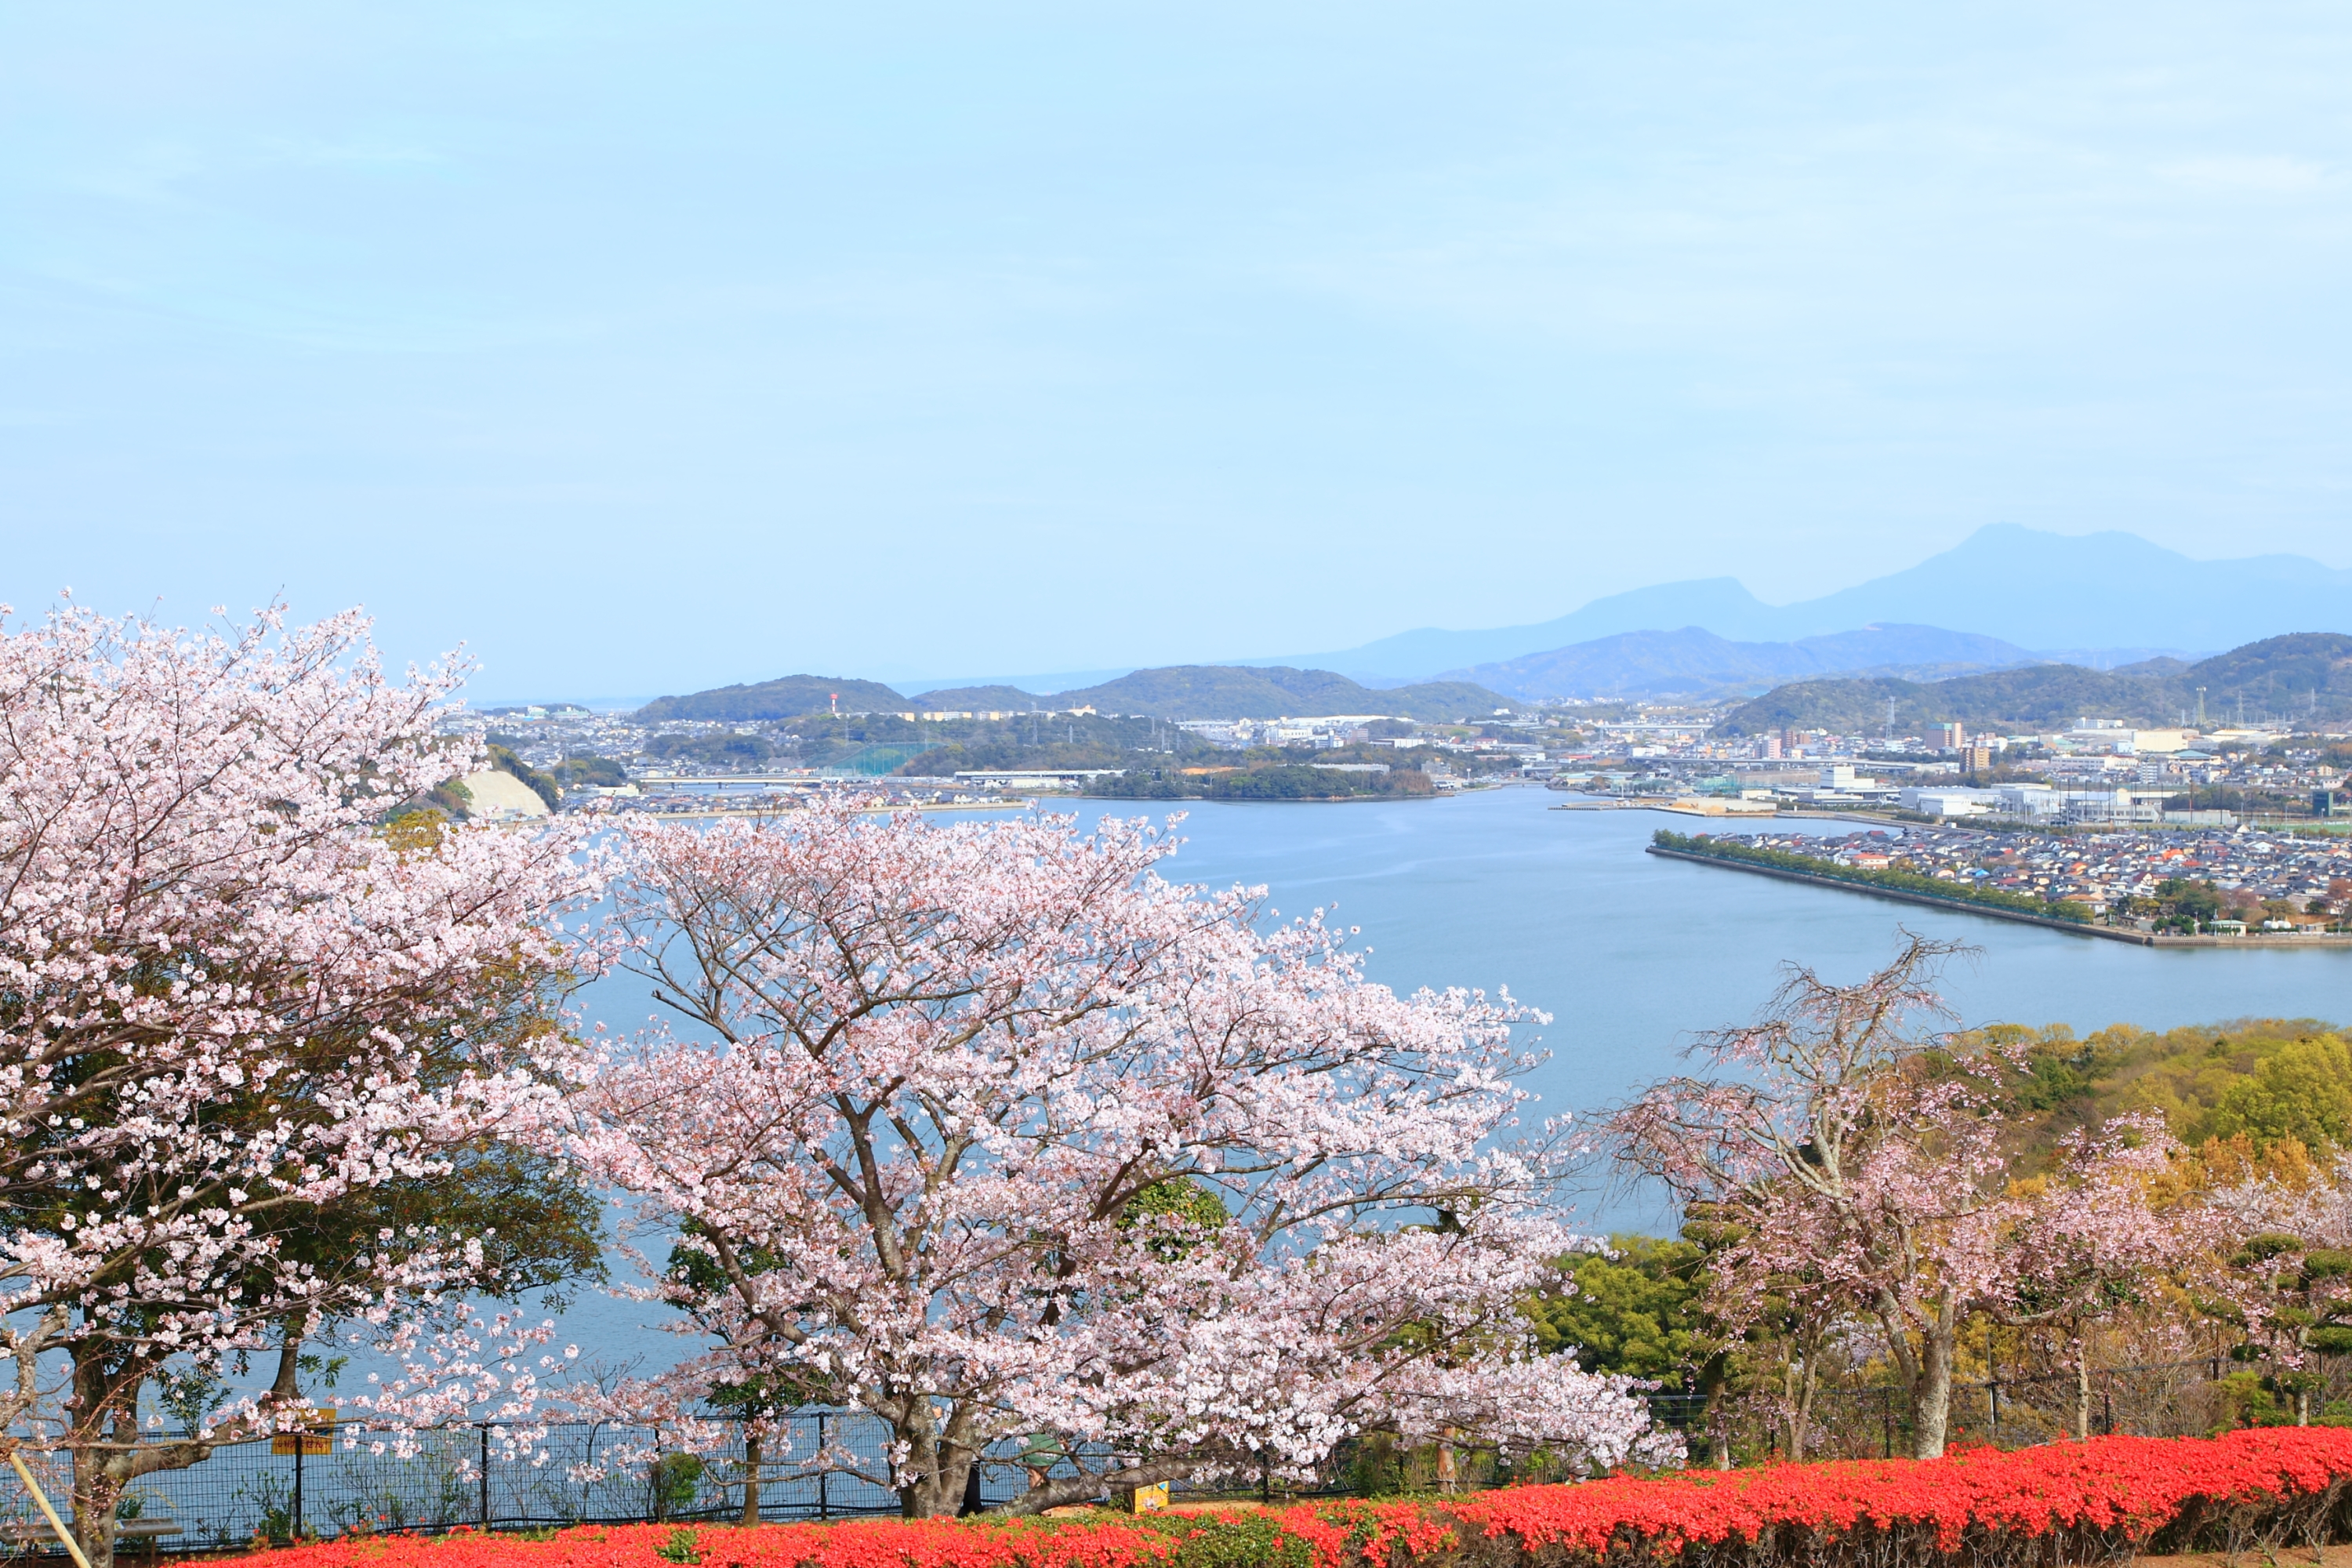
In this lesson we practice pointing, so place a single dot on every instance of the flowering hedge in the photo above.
(2063, 1503)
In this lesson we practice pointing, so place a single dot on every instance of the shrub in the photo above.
(2066, 1503)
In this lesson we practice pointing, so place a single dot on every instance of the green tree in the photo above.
(2187, 904)
(2293, 1302)
(1179, 1212)
(2303, 1091)
(546, 788)
(1633, 1308)
(582, 769)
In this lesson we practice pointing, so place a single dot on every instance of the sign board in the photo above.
(1152, 1499)
(311, 1443)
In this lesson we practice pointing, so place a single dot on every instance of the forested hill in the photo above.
(986, 698)
(780, 699)
(1180, 691)
(2303, 677)
(1229, 691)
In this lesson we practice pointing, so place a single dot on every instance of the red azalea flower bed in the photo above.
(2063, 1503)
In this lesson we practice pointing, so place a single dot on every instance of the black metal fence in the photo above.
(580, 1473)
(596, 1472)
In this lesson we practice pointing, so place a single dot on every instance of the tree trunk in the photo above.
(98, 1392)
(2082, 1388)
(1060, 1489)
(1801, 1409)
(94, 1496)
(98, 1535)
(920, 1479)
(1800, 1380)
(1931, 1390)
(1718, 1439)
(752, 1478)
(107, 1451)
(934, 1478)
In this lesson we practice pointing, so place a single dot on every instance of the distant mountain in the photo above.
(1179, 692)
(1230, 691)
(2096, 590)
(2304, 678)
(780, 698)
(1693, 661)
(1717, 604)
(2086, 593)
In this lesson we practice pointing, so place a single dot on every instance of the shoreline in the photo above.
(2102, 933)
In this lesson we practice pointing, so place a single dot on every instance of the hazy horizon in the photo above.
(646, 351)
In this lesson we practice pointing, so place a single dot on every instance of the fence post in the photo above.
(302, 1441)
(485, 1476)
(1886, 1417)
(824, 1510)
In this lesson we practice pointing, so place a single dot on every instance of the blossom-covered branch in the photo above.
(993, 1131)
(231, 1003)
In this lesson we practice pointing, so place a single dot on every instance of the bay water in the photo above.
(1631, 954)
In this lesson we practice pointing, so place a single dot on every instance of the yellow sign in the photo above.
(1152, 1499)
(311, 1443)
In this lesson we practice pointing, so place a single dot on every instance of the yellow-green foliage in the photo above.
(2269, 1080)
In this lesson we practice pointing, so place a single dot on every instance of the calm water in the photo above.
(1631, 954)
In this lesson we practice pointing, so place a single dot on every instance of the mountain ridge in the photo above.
(1169, 691)
(1695, 662)
(2305, 675)
(2028, 587)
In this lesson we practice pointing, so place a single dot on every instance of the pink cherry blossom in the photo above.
(220, 980)
(1864, 1172)
(923, 1074)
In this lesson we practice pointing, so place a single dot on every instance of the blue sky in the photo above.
(653, 347)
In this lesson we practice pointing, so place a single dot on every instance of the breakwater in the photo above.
(1994, 911)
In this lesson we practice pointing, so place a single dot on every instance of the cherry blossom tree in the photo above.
(1865, 1168)
(989, 1131)
(2094, 1238)
(235, 1015)
(1858, 1181)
